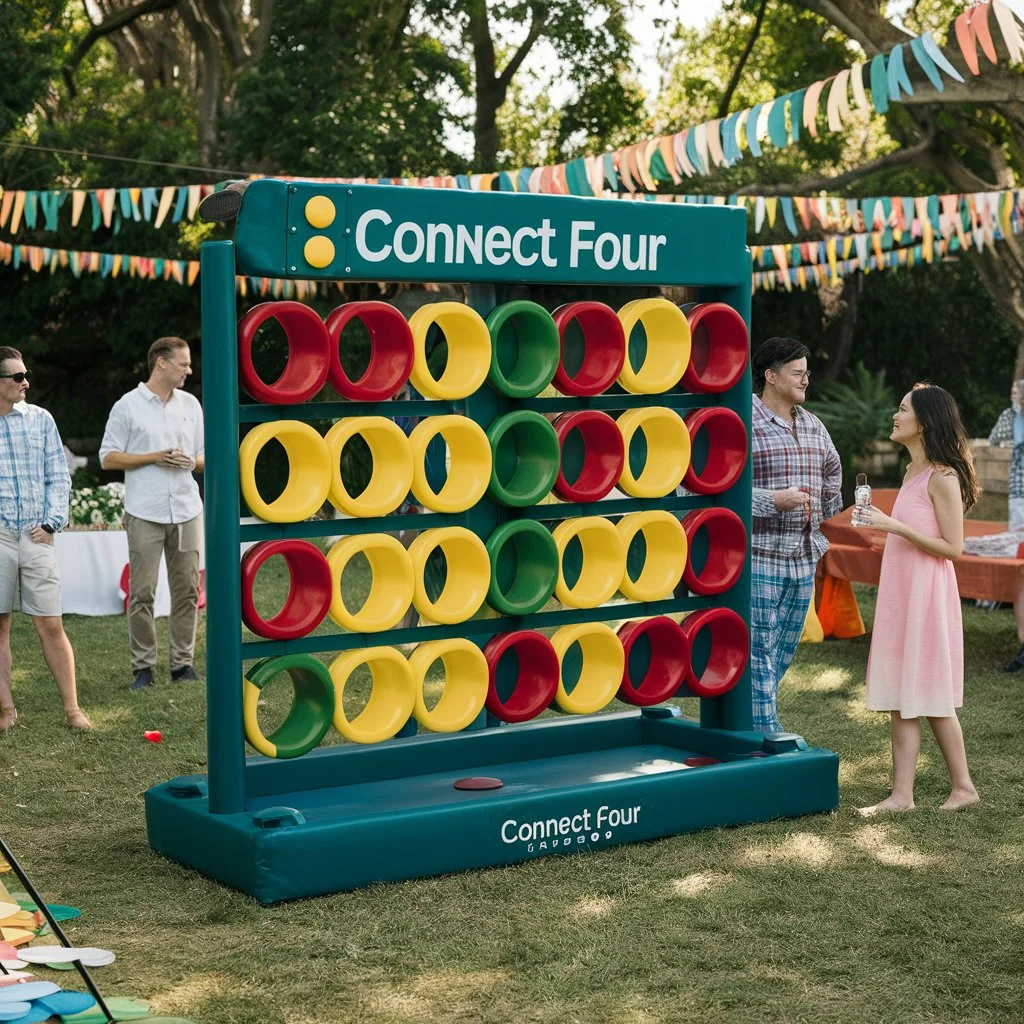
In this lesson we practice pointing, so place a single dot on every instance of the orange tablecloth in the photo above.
(856, 554)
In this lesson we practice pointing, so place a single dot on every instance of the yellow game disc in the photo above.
(600, 668)
(468, 574)
(603, 561)
(391, 582)
(469, 350)
(668, 451)
(465, 683)
(664, 556)
(391, 476)
(667, 345)
(309, 471)
(392, 698)
(468, 461)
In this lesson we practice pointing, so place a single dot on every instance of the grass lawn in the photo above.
(916, 918)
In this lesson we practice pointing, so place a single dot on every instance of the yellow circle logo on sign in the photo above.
(319, 251)
(320, 212)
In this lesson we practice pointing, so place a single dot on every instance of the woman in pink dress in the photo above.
(916, 663)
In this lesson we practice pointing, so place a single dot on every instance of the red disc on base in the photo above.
(477, 782)
(700, 762)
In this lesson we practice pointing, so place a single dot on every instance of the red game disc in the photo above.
(477, 782)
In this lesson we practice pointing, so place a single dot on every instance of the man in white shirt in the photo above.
(155, 434)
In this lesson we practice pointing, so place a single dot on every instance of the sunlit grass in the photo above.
(914, 918)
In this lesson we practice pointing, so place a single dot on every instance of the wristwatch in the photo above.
(47, 527)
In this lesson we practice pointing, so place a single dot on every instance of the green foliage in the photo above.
(857, 412)
(327, 99)
(33, 36)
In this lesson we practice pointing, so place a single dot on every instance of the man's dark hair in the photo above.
(6, 352)
(163, 348)
(773, 354)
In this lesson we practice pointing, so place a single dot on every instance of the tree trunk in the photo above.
(849, 301)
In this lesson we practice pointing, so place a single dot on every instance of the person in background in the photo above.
(35, 488)
(916, 661)
(797, 485)
(1009, 430)
(155, 434)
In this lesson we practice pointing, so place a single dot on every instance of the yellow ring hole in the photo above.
(320, 212)
(391, 582)
(465, 687)
(469, 350)
(603, 561)
(601, 669)
(469, 463)
(668, 451)
(392, 698)
(468, 574)
(319, 251)
(668, 345)
(664, 559)
(391, 476)
(309, 471)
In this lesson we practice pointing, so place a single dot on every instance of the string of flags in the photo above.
(636, 169)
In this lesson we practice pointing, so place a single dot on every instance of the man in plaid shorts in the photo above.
(797, 485)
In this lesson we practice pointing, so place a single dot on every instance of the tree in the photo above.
(968, 138)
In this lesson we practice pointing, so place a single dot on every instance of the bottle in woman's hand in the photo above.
(862, 502)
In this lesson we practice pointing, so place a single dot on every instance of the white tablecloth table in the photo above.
(91, 563)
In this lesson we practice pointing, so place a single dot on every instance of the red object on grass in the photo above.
(604, 348)
(719, 348)
(730, 651)
(727, 449)
(536, 676)
(604, 454)
(153, 735)
(666, 667)
(305, 372)
(310, 588)
(727, 550)
(391, 351)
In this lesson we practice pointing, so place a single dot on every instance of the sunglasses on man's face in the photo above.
(21, 375)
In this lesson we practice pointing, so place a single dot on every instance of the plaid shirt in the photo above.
(1003, 431)
(798, 454)
(35, 485)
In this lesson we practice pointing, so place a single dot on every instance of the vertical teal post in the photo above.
(735, 710)
(225, 744)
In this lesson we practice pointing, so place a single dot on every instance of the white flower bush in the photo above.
(97, 508)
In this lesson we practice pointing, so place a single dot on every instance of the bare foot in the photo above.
(888, 805)
(77, 720)
(959, 799)
(8, 716)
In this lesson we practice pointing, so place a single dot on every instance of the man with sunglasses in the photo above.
(797, 485)
(35, 487)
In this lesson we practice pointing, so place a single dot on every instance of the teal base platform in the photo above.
(344, 817)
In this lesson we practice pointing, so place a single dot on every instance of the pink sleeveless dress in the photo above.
(916, 663)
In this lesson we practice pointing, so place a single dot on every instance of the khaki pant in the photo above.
(179, 544)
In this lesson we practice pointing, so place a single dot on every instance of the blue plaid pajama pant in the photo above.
(778, 608)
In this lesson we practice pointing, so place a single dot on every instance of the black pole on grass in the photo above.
(54, 927)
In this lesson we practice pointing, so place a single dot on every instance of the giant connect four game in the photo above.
(577, 558)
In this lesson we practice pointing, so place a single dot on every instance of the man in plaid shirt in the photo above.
(35, 487)
(797, 485)
(1009, 430)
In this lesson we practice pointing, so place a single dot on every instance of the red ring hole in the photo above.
(727, 450)
(719, 348)
(536, 675)
(727, 550)
(603, 455)
(669, 657)
(391, 351)
(305, 372)
(604, 347)
(730, 651)
(309, 589)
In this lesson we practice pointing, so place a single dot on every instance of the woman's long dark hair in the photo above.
(944, 437)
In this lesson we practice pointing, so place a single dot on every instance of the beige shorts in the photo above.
(31, 568)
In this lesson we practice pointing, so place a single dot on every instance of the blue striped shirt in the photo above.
(35, 485)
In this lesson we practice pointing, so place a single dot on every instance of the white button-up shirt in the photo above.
(139, 423)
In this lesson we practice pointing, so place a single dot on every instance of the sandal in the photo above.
(8, 716)
(77, 719)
